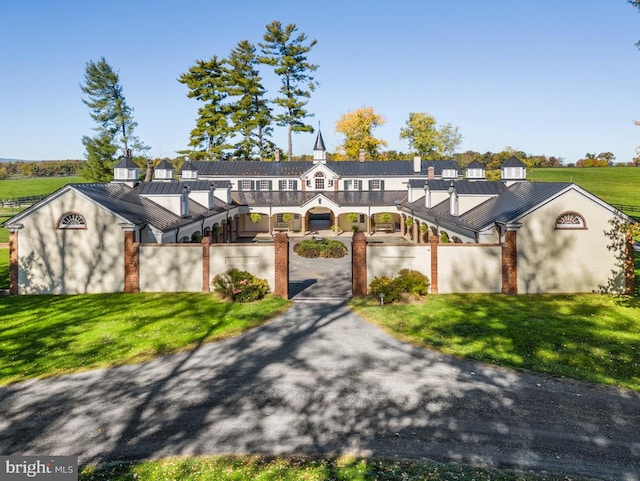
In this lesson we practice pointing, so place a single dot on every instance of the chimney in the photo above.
(185, 201)
(427, 195)
(417, 164)
(453, 200)
(431, 173)
(277, 154)
(361, 155)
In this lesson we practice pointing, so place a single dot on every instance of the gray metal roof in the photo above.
(513, 161)
(319, 142)
(126, 163)
(175, 188)
(298, 198)
(346, 168)
(475, 164)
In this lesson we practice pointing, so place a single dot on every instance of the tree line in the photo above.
(42, 168)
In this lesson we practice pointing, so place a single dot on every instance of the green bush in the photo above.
(240, 286)
(319, 247)
(407, 283)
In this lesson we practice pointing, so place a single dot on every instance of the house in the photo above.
(552, 237)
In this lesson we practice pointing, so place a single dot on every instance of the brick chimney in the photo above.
(361, 155)
(431, 173)
(417, 164)
(277, 154)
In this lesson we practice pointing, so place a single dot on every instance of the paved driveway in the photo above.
(320, 380)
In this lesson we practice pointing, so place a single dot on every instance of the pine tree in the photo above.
(114, 117)
(287, 54)
(250, 113)
(208, 82)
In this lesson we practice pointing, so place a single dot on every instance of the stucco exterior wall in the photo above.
(70, 261)
(571, 260)
(469, 268)
(389, 259)
(258, 259)
(171, 268)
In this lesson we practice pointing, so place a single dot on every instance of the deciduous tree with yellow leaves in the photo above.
(357, 127)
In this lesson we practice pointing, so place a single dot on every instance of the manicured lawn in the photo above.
(13, 188)
(589, 337)
(249, 468)
(615, 185)
(4, 268)
(42, 336)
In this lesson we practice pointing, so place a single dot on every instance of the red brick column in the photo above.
(434, 241)
(282, 265)
(510, 263)
(131, 262)
(359, 264)
(206, 265)
(14, 267)
(629, 265)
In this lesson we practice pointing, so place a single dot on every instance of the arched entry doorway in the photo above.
(319, 218)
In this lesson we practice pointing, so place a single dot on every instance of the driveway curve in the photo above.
(320, 380)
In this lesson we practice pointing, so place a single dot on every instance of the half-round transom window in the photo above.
(570, 220)
(72, 220)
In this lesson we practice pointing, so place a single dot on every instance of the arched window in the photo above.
(71, 220)
(570, 220)
(319, 180)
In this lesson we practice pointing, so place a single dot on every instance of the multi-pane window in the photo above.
(319, 181)
(375, 184)
(288, 184)
(244, 184)
(570, 220)
(72, 220)
(263, 185)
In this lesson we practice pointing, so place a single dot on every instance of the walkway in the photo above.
(319, 380)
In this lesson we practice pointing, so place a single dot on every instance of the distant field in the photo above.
(12, 189)
(615, 185)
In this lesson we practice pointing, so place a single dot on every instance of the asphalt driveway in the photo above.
(321, 380)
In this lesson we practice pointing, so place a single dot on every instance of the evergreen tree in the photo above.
(208, 81)
(287, 54)
(109, 108)
(250, 113)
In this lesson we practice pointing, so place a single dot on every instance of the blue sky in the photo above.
(552, 77)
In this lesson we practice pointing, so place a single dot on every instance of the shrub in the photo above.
(407, 283)
(240, 286)
(319, 247)
(444, 237)
(255, 217)
(385, 217)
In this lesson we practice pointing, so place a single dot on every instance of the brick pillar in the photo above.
(510, 263)
(629, 265)
(206, 265)
(131, 262)
(359, 264)
(434, 241)
(402, 225)
(282, 265)
(14, 267)
(416, 232)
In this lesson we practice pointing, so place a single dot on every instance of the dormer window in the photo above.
(71, 220)
(376, 184)
(570, 220)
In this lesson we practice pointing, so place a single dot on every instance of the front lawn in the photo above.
(4, 268)
(249, 468)
(590, 337)
(47, 335)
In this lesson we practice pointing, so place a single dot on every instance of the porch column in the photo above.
(281, 280)
(131, 261)
(434, 241)
(336, 223)
(368, 224)
(402, 225)
(510, 262)
(359, 264)
(14, 263)
(206, 264)
(415, 231)
(303, 223)
(629, 265)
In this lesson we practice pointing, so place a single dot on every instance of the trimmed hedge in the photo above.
(320, 247)
(408, 283)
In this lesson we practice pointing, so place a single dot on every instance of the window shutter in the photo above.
(359, 185)
(281, 185)
(371, 185)
(253, 185)
(271, 185)
(240, 185)
(382, 185)
(346, 185)
(295, 185)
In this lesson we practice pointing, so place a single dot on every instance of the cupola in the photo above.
(319, 150)
(163, 172)
(126, 170)
(189, 171)
(475, 171)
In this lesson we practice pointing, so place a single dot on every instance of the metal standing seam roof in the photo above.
(298, 198)
(346, 168)
(176, 188)
(510, 204)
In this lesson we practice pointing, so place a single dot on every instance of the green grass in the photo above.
(615, 185)
(13, 188)
(239, 468)
(588, 337)
(47, 335)
(4, 268)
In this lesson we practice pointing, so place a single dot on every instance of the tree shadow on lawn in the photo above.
(318, 380)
